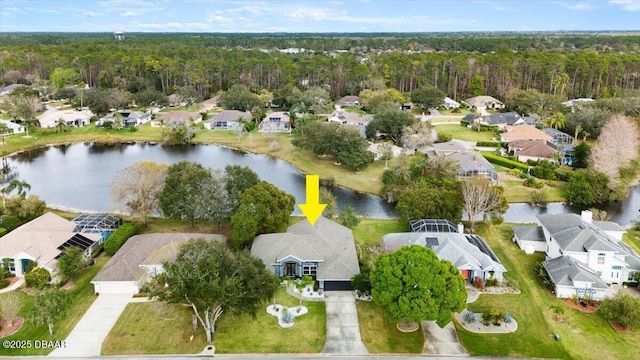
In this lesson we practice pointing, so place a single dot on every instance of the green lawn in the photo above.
(583, 336)
(370, 231)
(632, 237)
(81, 299)
(157, 328)
(463, 133)
(382, 337)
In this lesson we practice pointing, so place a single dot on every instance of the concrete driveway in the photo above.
(86, 338)
(442, 341)
(343, 329)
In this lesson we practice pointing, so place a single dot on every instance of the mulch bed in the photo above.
(619, 328)
(589, 308)
(7, 331)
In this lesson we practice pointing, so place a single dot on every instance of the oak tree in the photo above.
(136, 189)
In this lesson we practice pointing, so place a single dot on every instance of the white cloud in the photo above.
(495, 5)
(628, 5)
(128, 13)
(579, 6)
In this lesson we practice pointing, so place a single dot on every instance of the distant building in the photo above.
(118, 35)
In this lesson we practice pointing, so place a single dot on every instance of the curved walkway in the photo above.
(343, 329)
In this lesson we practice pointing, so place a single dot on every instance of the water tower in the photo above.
(118, 35)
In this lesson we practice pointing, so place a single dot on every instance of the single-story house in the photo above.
(469, 253)
(470, 163)
(176, 100)
(523, 132)
(77, 118)
(227, 120)
(449, 103)
(43, 240)
(501, 120)
(275, 122)
(349, 100)
(531, 150)
(484, 101)
(573, 278)
(7, 90)
(176, 118)
(129, 117)
(13, 127)
(530, 239)
(395, 151)
(558, 137)
(348, 118)
(101, 224)
(325, 251)
(577, 103)
(141, 258)
(210, 103)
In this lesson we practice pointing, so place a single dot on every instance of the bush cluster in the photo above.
(499, 160)
(119, 237)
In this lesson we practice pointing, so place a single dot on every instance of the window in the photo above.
(9, 264)
(601, 258)
(599, 273)
(309, 269)
(630, 276)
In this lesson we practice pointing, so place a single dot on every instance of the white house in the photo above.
(572, 278)
(49, 119)
(449, 103)
(530, 239)
(13, 127)
(141, 258)
(275, 122)
(227, 120)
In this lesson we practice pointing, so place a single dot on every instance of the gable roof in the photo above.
(466, 252)
(327, 242)
(50, 117)
(347, 100)
(482, 100)
(565, 271)
(230, 115)
(508, 118)
(148, 249)
(180, 116)
(42, 238)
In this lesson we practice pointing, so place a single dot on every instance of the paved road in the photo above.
(343, 329)
(86, 338)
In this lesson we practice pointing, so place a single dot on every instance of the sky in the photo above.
(317, 16)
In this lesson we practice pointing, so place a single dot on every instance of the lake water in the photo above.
(78, 177)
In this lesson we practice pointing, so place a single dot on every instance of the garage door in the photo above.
(115, 287)
(337, 286)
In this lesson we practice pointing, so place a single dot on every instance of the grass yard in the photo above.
(154, 328)
(370, 231)
(81, 298)
(516, 192)
(632, 237)
(382, 337)
(582, 335)
(463, 133)
(158, 328)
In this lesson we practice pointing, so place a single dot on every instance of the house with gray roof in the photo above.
(275, 122)
(469, 253)
(325, 251)
(227, 120)
(572, 278)
(129, 117)
(484, 102)
(470, 163)
(351, 119)
(529, 238)
(349, 100)
(600, 248)
(141, 258)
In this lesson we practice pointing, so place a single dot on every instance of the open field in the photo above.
(81, 298)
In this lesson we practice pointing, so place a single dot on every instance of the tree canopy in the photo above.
(137, 188)
(210, 279)
(240, 98)
(428, 97)
(390, 122)
(412, 283)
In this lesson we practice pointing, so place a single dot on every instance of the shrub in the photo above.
(478, 283)
(9, 222)
(3, 231)
(497, 316)
(539, 198)
(544, 277)
(507, 317)
(544, 170)
(444, 137)
(495, 144)
(119, 237)
(486, 318)
(37, 278)
(499, 160)
(287, 316)
(4, 283)
(469, 317)
(515, 172)
(531, 182)
(491, 282)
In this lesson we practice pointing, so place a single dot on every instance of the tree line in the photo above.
(165, 64)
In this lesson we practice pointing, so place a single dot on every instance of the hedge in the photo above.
(499, 160)
(119, 237)
(495, 144)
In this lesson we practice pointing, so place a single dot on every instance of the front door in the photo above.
(291, 270)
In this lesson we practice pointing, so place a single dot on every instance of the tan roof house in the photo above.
(227, 119)
(276, 122)
(210, 103)
(523, 132)
(175, 118)
(531, 150)
(349, 100)
(484, 101)
(43, 240)
(49, 119)
(141, 258)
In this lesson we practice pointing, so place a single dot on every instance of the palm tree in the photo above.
(61, 125)
(558, 311)
(556, 156)
(21, 186)
(557, 121)
(575, 136)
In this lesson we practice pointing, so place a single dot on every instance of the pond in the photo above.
(77, 177)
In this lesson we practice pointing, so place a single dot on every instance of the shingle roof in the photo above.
(327, 242)
(40, 238)
(529, 233)
(509, 118)
(482, 100)
(180, 116)
(454, 247)
(148, 249)
(231, 115)
(565, 270)
(524, 132)
(348, 100)
(533, 148)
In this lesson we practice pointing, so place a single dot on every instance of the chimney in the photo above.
(586, 216)
(460, 229)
